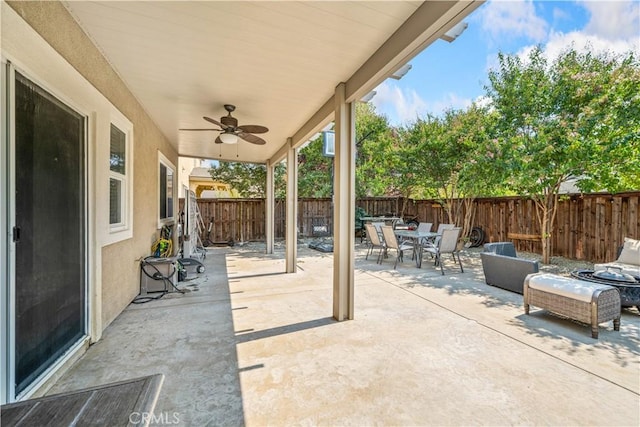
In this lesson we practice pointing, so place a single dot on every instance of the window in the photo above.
(118, 187)
(117, 204)
(328, 143)
(166, 190)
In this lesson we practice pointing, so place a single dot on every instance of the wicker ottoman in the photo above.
(579, 300)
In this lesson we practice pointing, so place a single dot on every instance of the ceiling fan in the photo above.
(230, 131)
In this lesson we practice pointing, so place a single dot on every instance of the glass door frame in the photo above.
(7, 256)
(8, 250)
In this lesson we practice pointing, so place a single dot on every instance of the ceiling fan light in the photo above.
(228, 138)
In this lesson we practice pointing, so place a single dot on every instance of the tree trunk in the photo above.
(405, 199)
(548, 207)
(546, 237)
(469, 216)
(449, 210)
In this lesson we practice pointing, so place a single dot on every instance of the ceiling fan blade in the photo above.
(252, 138)
(218, 140)
(215, 122)
(253, 129)
(218, 130)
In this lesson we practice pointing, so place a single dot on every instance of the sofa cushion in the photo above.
(630, 252)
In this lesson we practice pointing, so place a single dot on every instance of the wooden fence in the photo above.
(588, 227)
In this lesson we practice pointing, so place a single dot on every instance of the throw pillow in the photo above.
(630, 252)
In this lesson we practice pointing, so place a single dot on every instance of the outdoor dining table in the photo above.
(416, 236)
(386, 219)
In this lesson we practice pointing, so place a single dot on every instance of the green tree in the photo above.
(407, 158)
(372, 144)
(398, 169)
(476, 168)
(374, 140)
(249, 179)
(607, 93)
(314, 171)
(575, 117)
(452, 154)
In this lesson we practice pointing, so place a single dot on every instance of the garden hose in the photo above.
(162, 248)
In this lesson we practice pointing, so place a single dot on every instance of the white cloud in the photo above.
(582, 42)
(483, 101)
(613, 20)
(560, 15)
(402, 106)
(513, 19)
(614, 27)
(449, 101)
(492, 62)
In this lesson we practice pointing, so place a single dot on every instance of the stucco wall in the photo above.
(119, 264)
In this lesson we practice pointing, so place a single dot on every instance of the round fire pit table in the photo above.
(628, 285)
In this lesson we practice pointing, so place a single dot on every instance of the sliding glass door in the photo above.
(49, 233)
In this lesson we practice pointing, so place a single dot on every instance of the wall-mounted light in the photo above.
(401, 72)
(368, 97)
(454, 32)
(228, 138)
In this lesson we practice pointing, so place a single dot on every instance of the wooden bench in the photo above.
(520, 236)
(125, 403)
(579, 300)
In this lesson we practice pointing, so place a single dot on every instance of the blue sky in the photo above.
(452, 75)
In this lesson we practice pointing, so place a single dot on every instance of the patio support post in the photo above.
(269, 203)
(291, 250)
(344, 206)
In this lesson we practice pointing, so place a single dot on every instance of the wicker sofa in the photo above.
(502, 267)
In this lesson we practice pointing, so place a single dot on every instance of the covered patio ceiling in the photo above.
(277, 62)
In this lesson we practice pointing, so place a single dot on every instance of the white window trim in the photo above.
(124, 229)
(162, 159)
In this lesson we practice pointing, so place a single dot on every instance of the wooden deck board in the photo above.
(110, 404)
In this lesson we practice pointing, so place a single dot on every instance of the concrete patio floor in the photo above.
(252, 346)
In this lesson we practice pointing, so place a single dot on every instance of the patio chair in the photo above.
(424, 227)
(391, 242)
(433, 242)
(373, 242)
(376, 226)
(448, 244)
